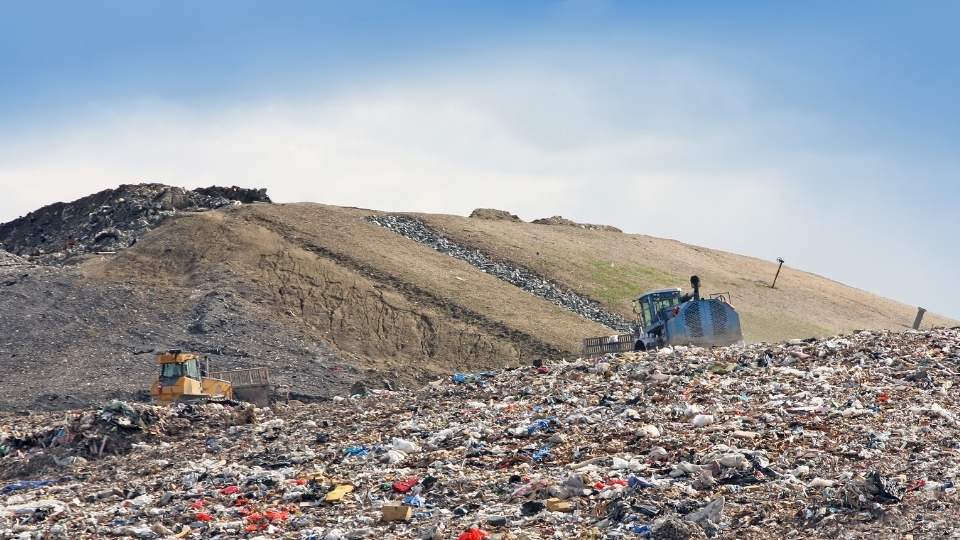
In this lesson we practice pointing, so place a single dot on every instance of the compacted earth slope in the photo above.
(326, 297)
(614, 268)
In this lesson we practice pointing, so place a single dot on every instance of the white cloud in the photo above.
(597, 145)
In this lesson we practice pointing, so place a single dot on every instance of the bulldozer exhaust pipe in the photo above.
(695, 283)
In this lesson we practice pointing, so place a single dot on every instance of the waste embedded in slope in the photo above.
(524, 278)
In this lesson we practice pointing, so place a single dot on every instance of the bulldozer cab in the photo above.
(175, 364)
(652, 307)
(171, 371)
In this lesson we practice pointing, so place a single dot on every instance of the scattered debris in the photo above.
(826, 456)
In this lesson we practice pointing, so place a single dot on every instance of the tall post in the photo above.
(774, 285)
(916, 322)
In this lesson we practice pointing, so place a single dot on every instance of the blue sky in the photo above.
(822, 132)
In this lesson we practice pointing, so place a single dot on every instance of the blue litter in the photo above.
(542, 453)
(413, 500)
(642, 530)
(24, 484)
(357, 451)
(60, 437)
(460, 378)
(637, 482)
(537, 426)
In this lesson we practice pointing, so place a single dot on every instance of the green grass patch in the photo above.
(617, 284)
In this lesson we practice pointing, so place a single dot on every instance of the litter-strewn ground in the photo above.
(850, 437)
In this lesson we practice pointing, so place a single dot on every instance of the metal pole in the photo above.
(916, 322)
(774, 285)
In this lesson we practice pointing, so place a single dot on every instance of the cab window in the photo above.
(169, 373)
(666, 303)
(645, 311)
(192, 369)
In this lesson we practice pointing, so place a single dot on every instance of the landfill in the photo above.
(854, 436)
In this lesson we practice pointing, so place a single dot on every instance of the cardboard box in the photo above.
(397, 512)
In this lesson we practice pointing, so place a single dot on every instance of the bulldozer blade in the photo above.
(598, 346)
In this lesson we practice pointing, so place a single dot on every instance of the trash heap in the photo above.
(9, 260)
(40, 443)
(564, 222)
(852, 436)
(112, 219)
(493, 214)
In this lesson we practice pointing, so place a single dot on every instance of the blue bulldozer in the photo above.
(671, 317)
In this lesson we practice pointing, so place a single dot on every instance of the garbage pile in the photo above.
(493, 214)
(519, 276)
(852, 436)
(112, 219)
(8, 259)
(46, 444)
(562, 221)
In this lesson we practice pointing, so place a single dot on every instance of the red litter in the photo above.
(403, 486)
(473, 534)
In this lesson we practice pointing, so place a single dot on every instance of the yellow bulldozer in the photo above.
(186, 377)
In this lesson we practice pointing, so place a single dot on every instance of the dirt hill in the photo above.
(613, 268)
(326, 297)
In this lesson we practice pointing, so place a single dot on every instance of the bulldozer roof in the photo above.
(175, 357)
(662, 291)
